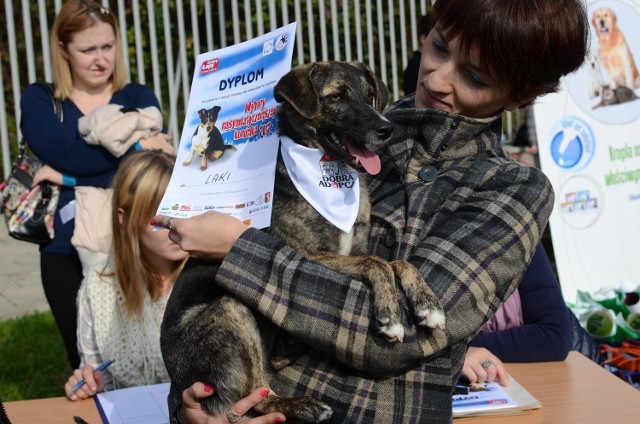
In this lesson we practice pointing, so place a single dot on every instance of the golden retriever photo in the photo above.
(615, 56)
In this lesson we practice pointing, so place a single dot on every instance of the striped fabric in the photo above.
(471, 231)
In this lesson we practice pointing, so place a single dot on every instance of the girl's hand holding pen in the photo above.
(85, 382)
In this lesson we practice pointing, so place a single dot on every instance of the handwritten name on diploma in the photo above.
(218, 178)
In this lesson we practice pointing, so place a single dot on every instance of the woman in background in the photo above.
(121, 301)
(88, 72)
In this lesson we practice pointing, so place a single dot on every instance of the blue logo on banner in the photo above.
(572, 144)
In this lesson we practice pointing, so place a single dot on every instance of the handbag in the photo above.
(28, 211)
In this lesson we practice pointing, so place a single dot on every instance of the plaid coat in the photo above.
(470, 226)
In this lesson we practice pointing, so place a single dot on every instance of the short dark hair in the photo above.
(530, 44)
(425, 23)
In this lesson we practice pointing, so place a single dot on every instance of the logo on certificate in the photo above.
(267, 48)
(209, 66)
(282, 42)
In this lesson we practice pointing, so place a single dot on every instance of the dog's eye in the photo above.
(336, 97)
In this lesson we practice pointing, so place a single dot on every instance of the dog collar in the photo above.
(330, 186)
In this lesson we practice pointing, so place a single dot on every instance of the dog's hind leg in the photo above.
(426, 306)
(304, 408)
(241, 365)
(225, 337)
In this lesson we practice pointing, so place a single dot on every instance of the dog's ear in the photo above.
(382, 92)
(296, 88)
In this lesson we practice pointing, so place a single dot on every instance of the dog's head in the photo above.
(593, 60)
(213, 114)
(203, 115)
(335, 107)
(604, 22)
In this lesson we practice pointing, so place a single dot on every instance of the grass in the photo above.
(33, 361)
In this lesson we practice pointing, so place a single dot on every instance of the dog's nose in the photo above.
(384, 130)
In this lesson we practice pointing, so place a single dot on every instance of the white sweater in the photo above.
(106, 331)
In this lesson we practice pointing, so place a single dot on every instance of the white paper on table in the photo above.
(135, 405)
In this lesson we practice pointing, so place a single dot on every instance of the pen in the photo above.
(100, 368)
(460, 389)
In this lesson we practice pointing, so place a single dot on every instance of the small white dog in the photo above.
(592, 62)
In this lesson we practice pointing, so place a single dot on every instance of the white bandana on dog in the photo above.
(331, 187)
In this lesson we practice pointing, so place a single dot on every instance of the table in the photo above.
(58, 410)
(572, 391)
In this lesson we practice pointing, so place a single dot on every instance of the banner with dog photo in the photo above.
(228, 147)
(588, 135)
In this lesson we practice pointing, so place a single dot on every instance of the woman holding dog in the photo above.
(448, 199)
(88, 72)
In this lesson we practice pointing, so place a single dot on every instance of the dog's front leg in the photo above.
(379, 274)
(426, 305)
(203, 162)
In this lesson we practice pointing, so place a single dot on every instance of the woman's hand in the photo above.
(94, 383)
(159, 141)
(47, 173)
(208, 236)
(192, 412)
(480, 365)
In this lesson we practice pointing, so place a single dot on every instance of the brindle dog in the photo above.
(334, 107)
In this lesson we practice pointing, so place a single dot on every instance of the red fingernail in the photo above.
(153, 222)
(208, 388)
(264, 392)
(280, 420)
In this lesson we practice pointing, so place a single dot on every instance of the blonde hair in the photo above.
(76, 16)
(138, 187)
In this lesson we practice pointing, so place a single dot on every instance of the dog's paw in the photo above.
(431, 318)
(311, 410)
(325, 415)
(427, 310)
(392, 332)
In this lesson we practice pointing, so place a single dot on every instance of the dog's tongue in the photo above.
(369, 161)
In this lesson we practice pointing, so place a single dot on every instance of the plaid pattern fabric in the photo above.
(471, 232)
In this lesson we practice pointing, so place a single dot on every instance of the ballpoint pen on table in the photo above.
(460, 389)
(100, 368)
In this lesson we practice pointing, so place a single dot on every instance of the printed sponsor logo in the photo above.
(267, 48)
(209, 66)
(572, 144)
(282, 42)
(335, 174)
